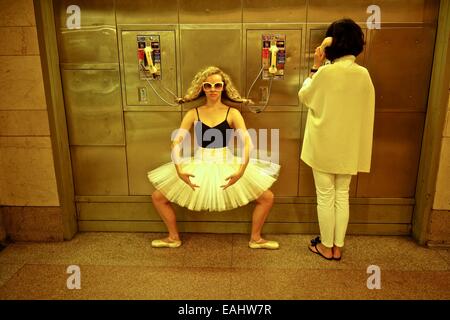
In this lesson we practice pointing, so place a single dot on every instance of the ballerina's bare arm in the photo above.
(238, 123)
(185, 126)
(177, 141)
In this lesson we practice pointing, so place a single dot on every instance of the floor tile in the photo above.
(208, 250)
(7, 271)
(96, 249)
(119, 282)
(221, 266)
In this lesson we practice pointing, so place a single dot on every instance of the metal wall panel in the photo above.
(289, 125)
(206, 11)
(391, 229)
(96, 41)
(88, 45)
(280, 212)
(148, 145)
(401, 78)
(274, 11)
(93, 107)
(392, 11)
(395, 157)
(146, 11)
(99, 170)
(217, 45)
(131, 80)
(283, 92)
(195, 34)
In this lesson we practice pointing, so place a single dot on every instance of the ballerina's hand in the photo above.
(187, 180)
(232, 180)
(179, 100)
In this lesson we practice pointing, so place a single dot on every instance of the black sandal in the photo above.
(315, 241)
(318, 252)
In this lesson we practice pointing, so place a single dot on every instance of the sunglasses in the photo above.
(209, 86)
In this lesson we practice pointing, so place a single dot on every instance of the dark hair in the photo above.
(348, 39)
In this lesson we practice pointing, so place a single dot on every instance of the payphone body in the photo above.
(273, 56)
(149, 57)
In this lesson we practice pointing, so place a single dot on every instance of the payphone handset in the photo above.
(273, 60)
(149, 66)
(326, 43)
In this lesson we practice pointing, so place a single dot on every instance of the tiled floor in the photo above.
(221, 266)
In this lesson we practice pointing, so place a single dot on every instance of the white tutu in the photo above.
(211, 166)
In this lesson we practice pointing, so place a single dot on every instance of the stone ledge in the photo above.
(439, 228)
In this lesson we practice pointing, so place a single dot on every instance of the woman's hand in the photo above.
(319, 57)
(319, 54)
(186, 178)
(232, 179)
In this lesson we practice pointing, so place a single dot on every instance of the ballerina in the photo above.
(214, 179)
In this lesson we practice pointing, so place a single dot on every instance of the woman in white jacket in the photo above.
(339, 129)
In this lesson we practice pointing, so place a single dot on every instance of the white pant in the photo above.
(332, 206)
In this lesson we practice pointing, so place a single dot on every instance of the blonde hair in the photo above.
(195, 91)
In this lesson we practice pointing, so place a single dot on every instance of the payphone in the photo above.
(149, 64)
(273, 61)
(273, 56)
(149, 56)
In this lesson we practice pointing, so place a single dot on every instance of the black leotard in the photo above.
(213, 137)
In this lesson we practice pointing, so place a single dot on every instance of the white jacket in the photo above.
(339, 127)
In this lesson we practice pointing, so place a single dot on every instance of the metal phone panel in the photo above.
(392, 11)
(146, 11)
(205, 11)
(210, 46)
(99, 170)
(96, 41)
(288, 124)
(395, 156)
(283, 92)
(148, 145)
(399, 63)
(132, 83)
(93, 107)
(274, 11)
